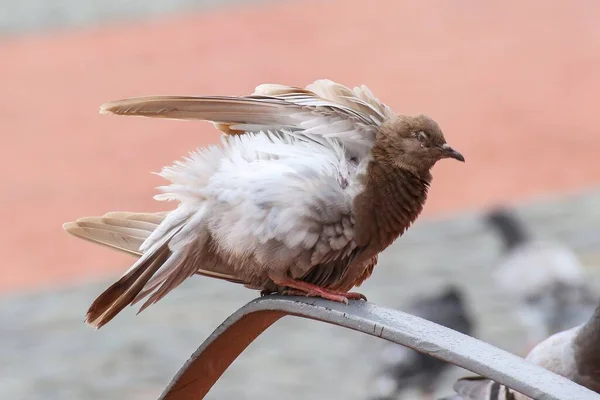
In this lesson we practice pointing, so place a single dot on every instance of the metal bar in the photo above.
(228, 341)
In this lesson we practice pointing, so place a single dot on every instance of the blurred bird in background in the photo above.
(545, 277)
(401, 368)
(308, 187)
(573, 353)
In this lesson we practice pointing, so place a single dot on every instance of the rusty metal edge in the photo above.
(228, 341)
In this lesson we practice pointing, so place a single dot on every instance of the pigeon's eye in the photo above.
(422, 136)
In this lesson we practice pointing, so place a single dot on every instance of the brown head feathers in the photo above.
(414, 143)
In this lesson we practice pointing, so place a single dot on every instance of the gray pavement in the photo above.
(40, 15)
(48, 353)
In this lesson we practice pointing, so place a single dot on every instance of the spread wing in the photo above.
(324, 110)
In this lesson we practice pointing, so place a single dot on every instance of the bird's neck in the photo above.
(587, 351)
(392, 199)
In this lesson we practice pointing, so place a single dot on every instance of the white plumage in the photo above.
(262, 189)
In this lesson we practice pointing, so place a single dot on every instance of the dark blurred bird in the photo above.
(402, 368)
(574, 354)
(544, 277)
(308, 187)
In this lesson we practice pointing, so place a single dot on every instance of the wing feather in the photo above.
(119, 230)
(324, 108)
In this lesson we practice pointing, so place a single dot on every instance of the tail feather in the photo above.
(121, 293)
(153, 218)
(115, 226)
(123, 231)
(160, 278)
(182, 270)
(165, 260)
(137, 227)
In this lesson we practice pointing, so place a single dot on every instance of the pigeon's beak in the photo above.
(449, 152)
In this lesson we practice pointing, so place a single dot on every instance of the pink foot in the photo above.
(299, 288)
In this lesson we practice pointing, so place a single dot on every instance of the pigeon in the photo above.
(545, 278)
(403, 368)
(307, 187)
(573, 354)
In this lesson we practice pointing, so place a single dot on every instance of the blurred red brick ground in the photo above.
(515, 86)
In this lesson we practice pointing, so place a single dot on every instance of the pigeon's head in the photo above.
(499, 216)
(506, 223)
(416, 142)
(453, 294)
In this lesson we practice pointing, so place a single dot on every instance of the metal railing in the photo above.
(228, 341)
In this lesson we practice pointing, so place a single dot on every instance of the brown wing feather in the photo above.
(271, 107)
(223, 109)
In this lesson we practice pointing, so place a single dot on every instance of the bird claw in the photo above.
(327, 296)
(356, 296)
(298, 288)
